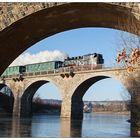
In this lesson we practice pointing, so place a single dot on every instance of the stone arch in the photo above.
(42, 24)
(26, 99)
(76, 100)
(51, 79)
(77, 103)
(7, 101)
(2, 85)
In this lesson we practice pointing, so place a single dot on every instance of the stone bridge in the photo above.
(72, 88)
(24, 24)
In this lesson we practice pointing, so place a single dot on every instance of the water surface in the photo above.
(42, 125)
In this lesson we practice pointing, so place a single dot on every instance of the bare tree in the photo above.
(129, 56)
(37, 99)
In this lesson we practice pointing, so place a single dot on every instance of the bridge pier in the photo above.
(72, 110)
(17, 90)
(66, 108)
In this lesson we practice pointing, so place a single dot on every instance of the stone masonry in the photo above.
(24, 24)
(72, 89)
(11, 12)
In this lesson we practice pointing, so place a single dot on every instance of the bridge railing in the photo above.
(61, 70)
(58, 71)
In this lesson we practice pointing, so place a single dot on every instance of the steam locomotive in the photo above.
(94, 59)
(89, 59)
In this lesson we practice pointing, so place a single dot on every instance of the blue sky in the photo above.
(79, 42)
(82, 41)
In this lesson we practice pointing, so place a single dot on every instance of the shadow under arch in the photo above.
(6, 98)
(26, 99)
(77, 102)
(42, 24)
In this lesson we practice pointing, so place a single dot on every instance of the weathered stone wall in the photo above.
(11, 12)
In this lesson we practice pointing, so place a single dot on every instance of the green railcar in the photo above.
(15, 70)
(31, 68)
(45, 66)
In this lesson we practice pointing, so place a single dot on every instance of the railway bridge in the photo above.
(72, 87)
(24, 24)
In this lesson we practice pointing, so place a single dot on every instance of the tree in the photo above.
(129, 56)
(37, 99)
(130, 59)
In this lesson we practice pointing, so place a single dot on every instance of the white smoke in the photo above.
(44, 56)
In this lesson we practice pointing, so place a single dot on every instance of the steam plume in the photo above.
(28, 58)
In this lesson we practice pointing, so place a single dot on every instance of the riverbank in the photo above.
(111, 112)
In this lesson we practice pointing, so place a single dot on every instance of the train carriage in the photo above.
(13, 70)
(45, 66)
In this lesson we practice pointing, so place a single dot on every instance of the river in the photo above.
(41, 125)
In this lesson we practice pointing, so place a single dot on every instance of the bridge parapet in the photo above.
(68, 70)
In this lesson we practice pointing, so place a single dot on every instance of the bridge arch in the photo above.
(26, 98)
(6, 99)
(2, 85)
(76, 100)
(32, 28)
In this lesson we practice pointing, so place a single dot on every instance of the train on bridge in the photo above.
(94, 59)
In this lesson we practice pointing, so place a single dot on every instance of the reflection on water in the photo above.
(21, 128)
(76, 128)
(93, 125)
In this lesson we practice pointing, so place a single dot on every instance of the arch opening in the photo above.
(37, 100)
(47, 100)
(77, 102)
(99, 111)
(6, 100)
(77, 107)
